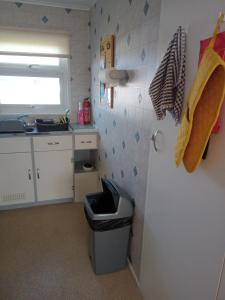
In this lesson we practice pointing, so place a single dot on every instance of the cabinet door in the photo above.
(54, 173)
(85, 183)
(16, 178)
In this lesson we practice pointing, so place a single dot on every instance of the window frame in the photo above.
(62, 71)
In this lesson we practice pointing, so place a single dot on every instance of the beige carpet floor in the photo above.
(43, 255)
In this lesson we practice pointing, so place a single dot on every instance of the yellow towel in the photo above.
(203, 108)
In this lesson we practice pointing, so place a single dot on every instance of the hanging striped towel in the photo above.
(167, 87)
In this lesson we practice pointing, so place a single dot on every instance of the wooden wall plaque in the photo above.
(106, 61)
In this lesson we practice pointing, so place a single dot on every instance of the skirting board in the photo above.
(133, 273)
(33, 204)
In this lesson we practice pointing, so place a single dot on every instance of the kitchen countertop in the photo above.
(84, 128)
(76, 129)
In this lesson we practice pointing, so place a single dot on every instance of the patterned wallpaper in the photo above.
(74, 22)
(125, 130)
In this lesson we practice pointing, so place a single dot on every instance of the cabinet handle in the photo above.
(38, 173)
(87, 142)
(29, 174)
(51, 143)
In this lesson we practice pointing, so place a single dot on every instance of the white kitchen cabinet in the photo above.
(53, 168)
(19, 144)
(16, 178)
(52, 143)
(85, 141)
(43, 172)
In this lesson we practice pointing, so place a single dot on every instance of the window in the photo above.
(33, 82)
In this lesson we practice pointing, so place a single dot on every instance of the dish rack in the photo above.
(50, 125)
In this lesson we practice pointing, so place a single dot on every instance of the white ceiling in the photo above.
(75, 4)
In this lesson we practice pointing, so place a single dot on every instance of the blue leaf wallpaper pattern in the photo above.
(146, 7)
(135, 171)
(44, 19)
(18, 4)
(143, 55)
(137, 137)
(68, 10)
(126, 128)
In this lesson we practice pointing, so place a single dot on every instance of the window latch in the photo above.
(32, 66)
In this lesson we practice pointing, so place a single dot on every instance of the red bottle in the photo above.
(87, 111)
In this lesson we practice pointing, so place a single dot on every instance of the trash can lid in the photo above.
(110, 186)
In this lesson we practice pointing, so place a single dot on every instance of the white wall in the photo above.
(184, 240)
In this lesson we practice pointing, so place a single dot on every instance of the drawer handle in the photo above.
(38, 173)
(29, 174)
(87, 142)
(55, 143)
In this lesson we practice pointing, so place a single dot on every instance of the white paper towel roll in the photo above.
(113, 77)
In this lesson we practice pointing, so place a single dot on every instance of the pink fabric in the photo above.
(219, 47)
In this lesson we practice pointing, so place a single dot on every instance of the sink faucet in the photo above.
(22, 117)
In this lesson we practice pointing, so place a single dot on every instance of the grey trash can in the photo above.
(109, 215)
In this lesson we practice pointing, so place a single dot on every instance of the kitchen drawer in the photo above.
(85, 141)
(15, 145)
(49, 143)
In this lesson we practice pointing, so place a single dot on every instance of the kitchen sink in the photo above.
(16, 127)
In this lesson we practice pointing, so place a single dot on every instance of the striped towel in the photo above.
(167, 87)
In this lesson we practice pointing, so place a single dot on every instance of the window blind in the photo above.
(33, 43)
